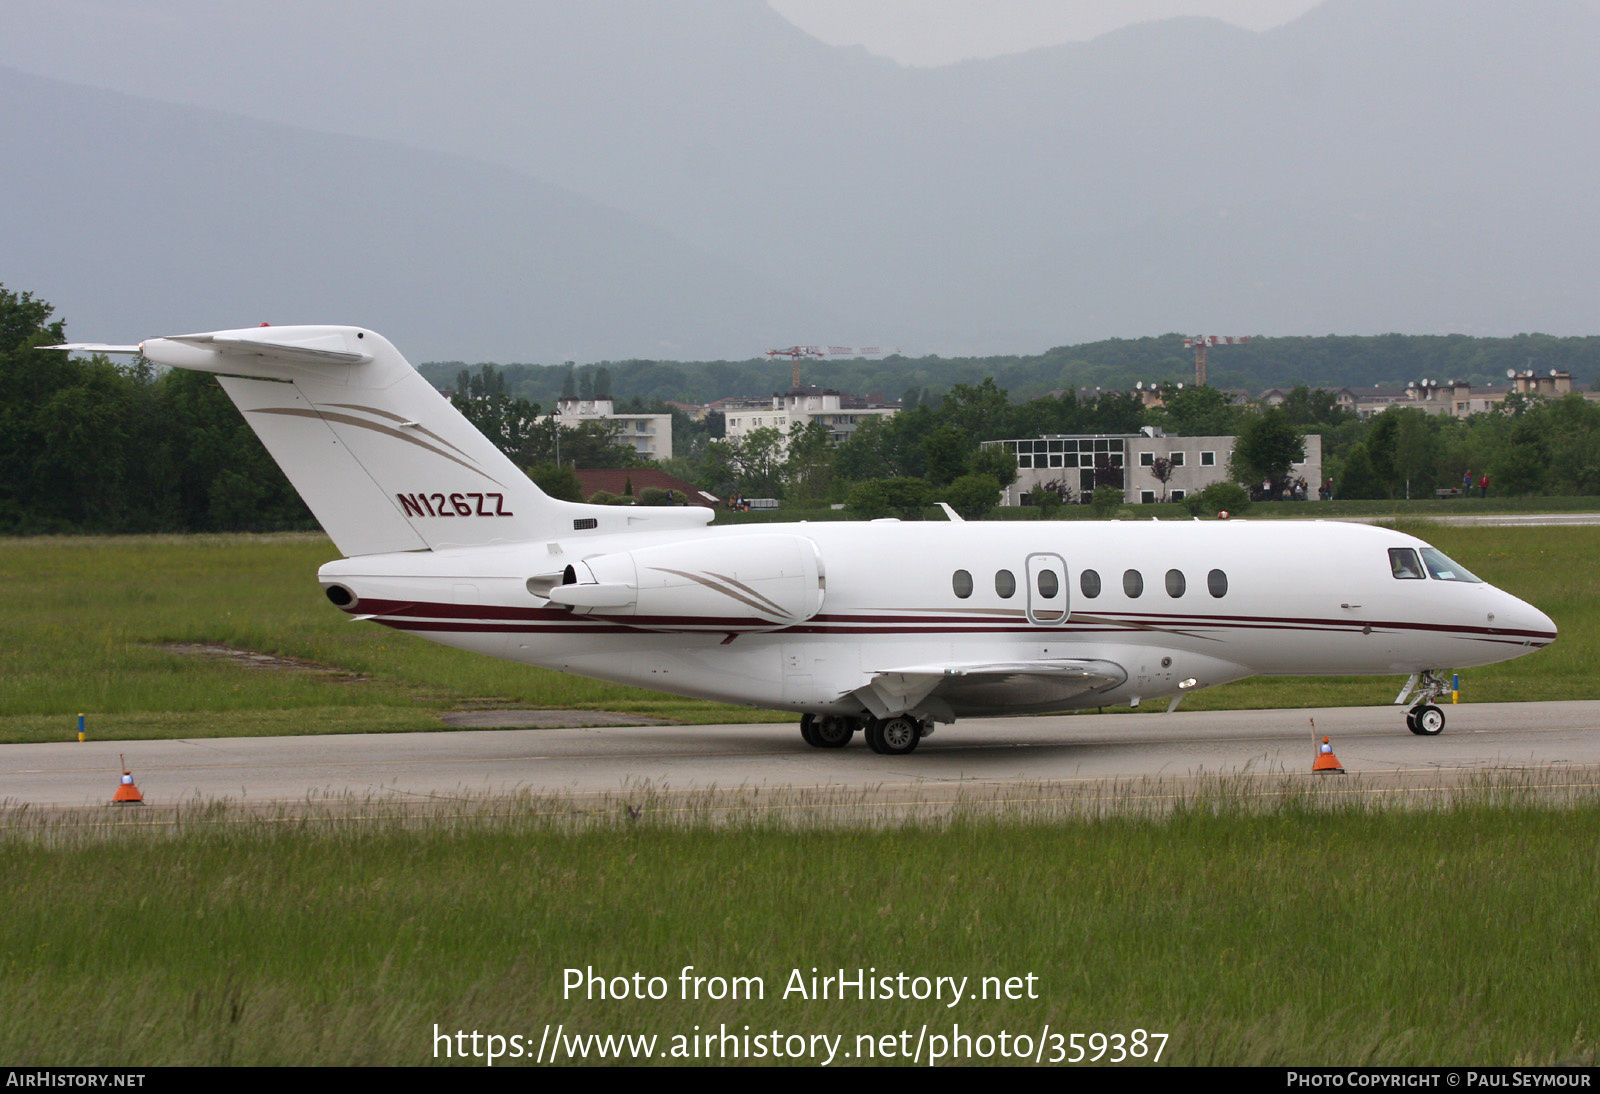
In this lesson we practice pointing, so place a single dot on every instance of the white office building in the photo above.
(839, 414)
(647, 434)
(1195, 463)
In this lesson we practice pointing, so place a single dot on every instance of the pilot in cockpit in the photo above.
(1403, 563)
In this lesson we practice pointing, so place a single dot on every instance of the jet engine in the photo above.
(730, 583)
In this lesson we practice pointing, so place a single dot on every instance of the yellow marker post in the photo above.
(80, 728)
(1455, 687)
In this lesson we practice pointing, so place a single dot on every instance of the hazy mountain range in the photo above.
(540, 181)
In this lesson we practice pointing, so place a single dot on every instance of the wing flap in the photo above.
(943, 691)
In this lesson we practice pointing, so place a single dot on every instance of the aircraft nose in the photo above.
(1536, 625)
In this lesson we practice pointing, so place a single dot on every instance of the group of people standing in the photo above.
(1293, 490)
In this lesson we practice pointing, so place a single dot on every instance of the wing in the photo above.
(945, 692)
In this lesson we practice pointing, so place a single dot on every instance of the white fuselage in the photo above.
(1296, 598)
(905, 624)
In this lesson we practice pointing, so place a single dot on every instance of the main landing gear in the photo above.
(1424, 719)
(827, 730)
(886, 736)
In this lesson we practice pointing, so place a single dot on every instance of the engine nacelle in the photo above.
(729, 583)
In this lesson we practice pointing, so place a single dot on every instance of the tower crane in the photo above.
(1201, 341)
(797, 353)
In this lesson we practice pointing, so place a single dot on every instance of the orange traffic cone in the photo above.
(1326, 761)
(127, 793)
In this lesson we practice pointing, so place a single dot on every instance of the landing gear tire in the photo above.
(808, 730)
(1426, 720)
(894, 736)
(832, 731)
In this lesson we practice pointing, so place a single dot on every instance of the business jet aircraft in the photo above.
(881, 626)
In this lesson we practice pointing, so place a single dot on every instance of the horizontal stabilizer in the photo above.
(92, 347)
(267, 345)
(213, 351)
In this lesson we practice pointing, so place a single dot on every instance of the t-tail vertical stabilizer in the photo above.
(383, 461)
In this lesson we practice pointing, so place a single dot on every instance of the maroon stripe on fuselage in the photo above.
(469, 627)
(541, 618)
(1276, 620)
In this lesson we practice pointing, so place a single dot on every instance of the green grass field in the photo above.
(86, 622)
(1276, 931)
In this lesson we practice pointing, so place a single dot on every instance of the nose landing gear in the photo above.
(1424, 719)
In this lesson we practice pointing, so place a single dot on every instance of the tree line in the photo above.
(87, 445)
(91, 446)
(1330, 361)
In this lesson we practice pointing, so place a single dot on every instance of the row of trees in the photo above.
(1529, 446)
(1533, 446)
(87, 445)
(1331, 361)
(939, 443)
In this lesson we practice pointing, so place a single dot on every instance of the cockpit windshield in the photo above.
(1442, 568)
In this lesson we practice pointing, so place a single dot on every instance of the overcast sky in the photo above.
(938, 32)
(697, 179)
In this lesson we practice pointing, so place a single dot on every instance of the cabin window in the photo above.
(1176, 583)
(1217, 583)
(1089, 583)
(1443, 568)
(1403, 564)
(1049, 585)
(1005, 583)
(1133, 583)
(961, 581)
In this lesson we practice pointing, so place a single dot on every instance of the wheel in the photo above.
(808, 730)
(1411, 722)
(899, 736)
(1429, 720)
(875, 735)
(832, 732)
